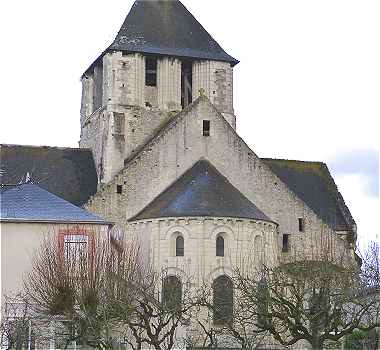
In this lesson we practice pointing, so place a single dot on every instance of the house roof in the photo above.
(201, 191)
(166, 27)
(68, 173)
(313, 183)
(31, 203)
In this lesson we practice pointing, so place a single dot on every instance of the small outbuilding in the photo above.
(28, 213)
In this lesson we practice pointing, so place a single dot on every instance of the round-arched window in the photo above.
(219, 246)
(222, 299)
(171, 292)
(179, 246)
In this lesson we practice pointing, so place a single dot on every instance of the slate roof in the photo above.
(68, 173)
(201, 191)
(310, 181)
(31, 203)
(313, 183)
(166, 27)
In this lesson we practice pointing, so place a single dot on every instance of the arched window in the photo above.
(222, 299)
(179, 246)
(219, 246)
(171, 292)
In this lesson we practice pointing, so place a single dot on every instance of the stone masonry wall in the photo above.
(180, 145)
(131, 112)
(245, 240)
(216, 79)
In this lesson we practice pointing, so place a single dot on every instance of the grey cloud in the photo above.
(362, 162)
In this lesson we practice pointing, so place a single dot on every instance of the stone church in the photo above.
(157, 113)
(160, 156)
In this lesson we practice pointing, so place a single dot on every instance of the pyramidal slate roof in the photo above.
(166, 27)
(31, 203)
(313, 183)
(201, 191)
(68, 173)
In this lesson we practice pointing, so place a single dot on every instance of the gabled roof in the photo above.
(201, 191)
(31, 203)
(68, 173)
(312, 182)
(166, 27)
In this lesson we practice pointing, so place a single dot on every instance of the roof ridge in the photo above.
(160, 130)
(294, 160)
(46, 146)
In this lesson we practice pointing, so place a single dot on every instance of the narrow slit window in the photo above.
(206, 128)
(179, 246)
(301, 225)
(219, 246)
(285, 244)
(151, 72)
(119, 189)
(186, 83)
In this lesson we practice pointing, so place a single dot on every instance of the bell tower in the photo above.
(159, 61)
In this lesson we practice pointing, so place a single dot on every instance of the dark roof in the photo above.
(31, 203)
(166, 27)
(312, 182)
(201, 191)
(68, 173)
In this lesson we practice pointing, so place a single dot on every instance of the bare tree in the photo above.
(222, 322)
(157, 309)
(316, 298)
(313, 301)
(100, 292)
(16, 322)
(370, 261)
(69, 286)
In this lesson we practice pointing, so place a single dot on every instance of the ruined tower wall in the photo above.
(120, 112)
(216, 79)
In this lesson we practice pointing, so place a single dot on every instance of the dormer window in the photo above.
(151, 71)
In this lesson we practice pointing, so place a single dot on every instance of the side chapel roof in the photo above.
(68, 173)
(201, 191)
(313, 183)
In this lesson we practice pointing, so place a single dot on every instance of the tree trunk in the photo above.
(317, 344)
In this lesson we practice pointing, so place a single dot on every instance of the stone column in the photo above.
(169, 84)
(139, 79)
(87, 97)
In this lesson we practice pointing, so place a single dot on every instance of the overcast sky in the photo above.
(307, 86)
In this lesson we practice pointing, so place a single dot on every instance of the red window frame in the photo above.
(76, 231)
